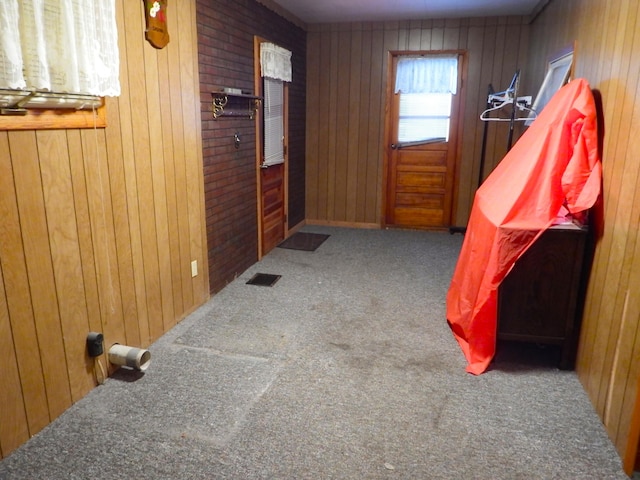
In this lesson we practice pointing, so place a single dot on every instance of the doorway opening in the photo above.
(422, 134)
(272, 72)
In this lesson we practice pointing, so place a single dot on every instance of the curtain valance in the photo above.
(275, 62)
(427, 74)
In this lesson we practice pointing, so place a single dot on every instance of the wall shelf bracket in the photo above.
(234, 104)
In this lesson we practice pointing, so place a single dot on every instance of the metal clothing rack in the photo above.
(496, 101)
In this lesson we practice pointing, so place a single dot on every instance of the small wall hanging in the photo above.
(155, 14)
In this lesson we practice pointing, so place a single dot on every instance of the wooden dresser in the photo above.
(538, 300)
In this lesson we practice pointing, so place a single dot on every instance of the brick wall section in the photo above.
(225, 50)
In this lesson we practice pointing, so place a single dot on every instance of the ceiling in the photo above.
(330, 11)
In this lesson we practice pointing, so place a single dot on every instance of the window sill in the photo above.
(37, 119)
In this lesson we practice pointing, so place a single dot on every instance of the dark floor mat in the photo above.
(264, 279)
(304, 241)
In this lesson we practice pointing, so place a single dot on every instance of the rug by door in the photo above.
(304, 241)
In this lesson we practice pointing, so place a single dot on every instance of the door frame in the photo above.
(259, 121)
(388, 127)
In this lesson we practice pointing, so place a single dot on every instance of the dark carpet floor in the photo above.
(344, 369)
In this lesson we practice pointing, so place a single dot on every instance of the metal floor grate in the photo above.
(264, 279)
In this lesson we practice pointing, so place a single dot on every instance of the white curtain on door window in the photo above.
(67, 46)
(427, 74)
(275, 62)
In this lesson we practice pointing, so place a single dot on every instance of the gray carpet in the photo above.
(344, 369)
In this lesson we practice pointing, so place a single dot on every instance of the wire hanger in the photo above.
(521, 104)
(498, 100)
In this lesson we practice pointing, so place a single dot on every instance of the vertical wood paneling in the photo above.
(83, 222)
(143, 174)
(124, 246)
(425, 37)
(618, 270)
(343, 117)
(324, 168)
(37, 251)
(353, 111)
(472, 135)
(179, 156)
(190, 91)
(437, 34)
(591, 67)
(360, 192)
(415, 35)
(13, 428)
(96, 235)
(451, 40)
(608, 361)
(335, 131)
(175, 270)
(65, 254)
(497, 132)
(373, 136)
(314, 102)
(158, 178)
(96, 174)
(120, 114)
(18, 298)
(342, 55)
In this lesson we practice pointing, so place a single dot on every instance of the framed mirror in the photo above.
(559, 72)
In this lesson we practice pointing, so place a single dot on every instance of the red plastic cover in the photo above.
(554, 164)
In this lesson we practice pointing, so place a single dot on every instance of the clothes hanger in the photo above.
(521, 104)
(498, 100)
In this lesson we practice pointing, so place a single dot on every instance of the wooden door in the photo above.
(420, 174)
(419, 186)
(271, 177)
(272, 218)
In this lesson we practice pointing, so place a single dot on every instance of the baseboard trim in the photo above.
(335, 223)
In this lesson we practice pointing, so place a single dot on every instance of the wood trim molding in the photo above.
(55, 119)
(338, 223)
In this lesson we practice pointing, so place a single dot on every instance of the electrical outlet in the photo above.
(194, 268)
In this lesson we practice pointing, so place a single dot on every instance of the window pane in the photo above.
(273, 121)
(415, 130)
(425, 104)
(424, 116)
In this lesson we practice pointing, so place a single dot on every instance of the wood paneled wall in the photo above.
(99, 228)
(608, 56)
(226, 29)
(347, 65)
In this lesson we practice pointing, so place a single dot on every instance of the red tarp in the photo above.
(554, 163)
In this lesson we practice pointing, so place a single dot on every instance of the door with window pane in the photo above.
(272, 167)
(421, 147)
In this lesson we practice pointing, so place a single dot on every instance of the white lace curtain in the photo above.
(275, 62)
(68, 46)
(427, 74)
